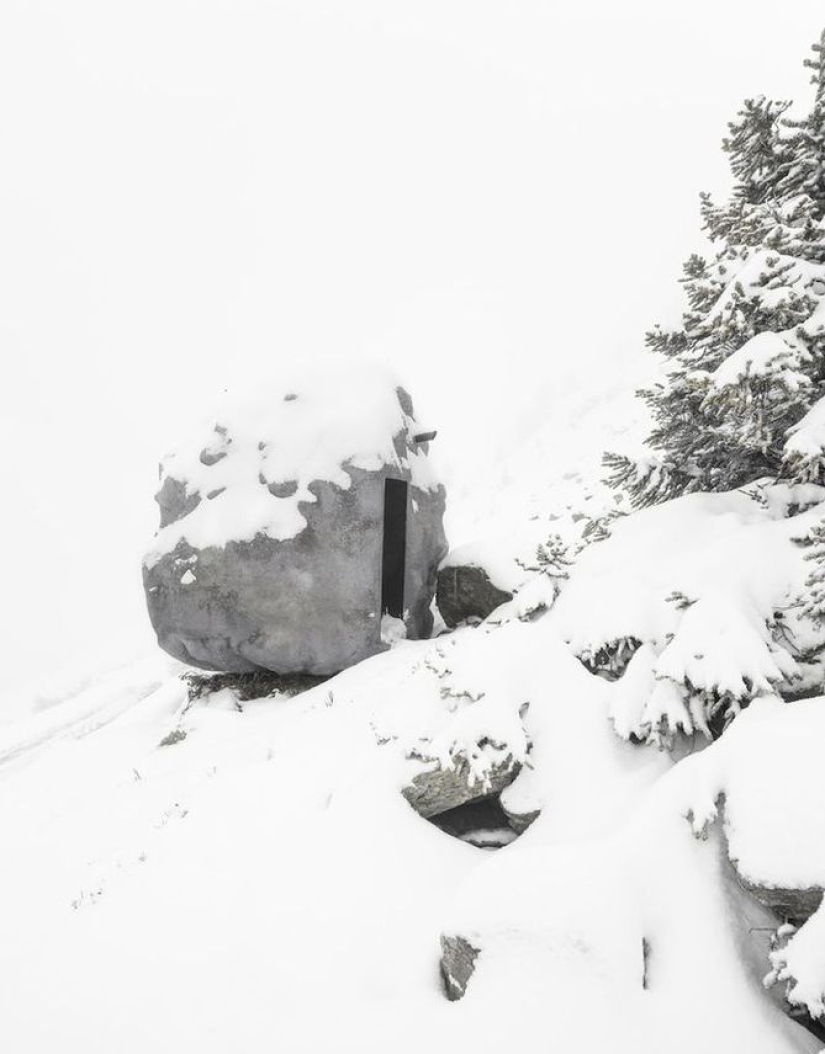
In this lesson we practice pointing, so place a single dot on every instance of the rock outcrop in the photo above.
(272, 539)
(465, 594)
(439, 789)
(458, 961)
(795, 905)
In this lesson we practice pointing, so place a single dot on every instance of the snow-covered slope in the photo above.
(260, 881)
(218, 874)
(543, 475)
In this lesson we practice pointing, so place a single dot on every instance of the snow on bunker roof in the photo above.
(248, 467)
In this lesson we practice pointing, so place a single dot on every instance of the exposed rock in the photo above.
(792, 904)
(465, 594)
(521, 801)
(519, 821)
(458, 961)
(174, 502)
(177, 735)
(796, 905)
(270, 550)
(438, 790)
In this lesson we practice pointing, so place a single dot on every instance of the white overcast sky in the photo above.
(492, 197)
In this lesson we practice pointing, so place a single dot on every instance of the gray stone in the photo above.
(795, 904)
(174, 502)
(466, 594)
(307, 604)
(439, 789)
(458, 961)
(520, 821)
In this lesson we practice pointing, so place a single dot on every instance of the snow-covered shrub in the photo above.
(797, 961)
(610, 660)
(694, 606)
(813, 600)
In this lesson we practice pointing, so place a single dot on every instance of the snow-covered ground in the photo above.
(261, 881)
(193, 199)
(228, 875)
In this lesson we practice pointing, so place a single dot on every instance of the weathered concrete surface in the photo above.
(458, 961)
(309, 604)
(465, 593)
(439, 789)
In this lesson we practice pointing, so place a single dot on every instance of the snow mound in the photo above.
(709, 584)
(628, 918)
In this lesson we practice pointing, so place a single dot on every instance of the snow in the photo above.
(258, 882)
(286, 434)
(392, 629)
(806, 439)
(765, 354)
(490, 554)
(264, 865)
(768, 767)
(767, 274)
(799, 965)
(230, 867)
(550, 482)
(681, 578)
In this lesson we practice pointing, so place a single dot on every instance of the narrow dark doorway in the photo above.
(394, 556)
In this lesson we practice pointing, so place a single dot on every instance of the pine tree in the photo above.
(804, 174)
(748, 362)
(813, 600)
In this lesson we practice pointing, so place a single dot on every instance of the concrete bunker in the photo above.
(300, 528)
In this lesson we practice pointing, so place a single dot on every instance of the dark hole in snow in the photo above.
(482, 823)
(393, 562)
(290, 398)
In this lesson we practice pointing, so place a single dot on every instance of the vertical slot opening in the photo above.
(394, 555)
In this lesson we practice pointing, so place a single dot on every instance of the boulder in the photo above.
(521, 800)
(796, 905)
(276, 548)
(458, 961)
(519, 821)
(437, 789)
(465, 594)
